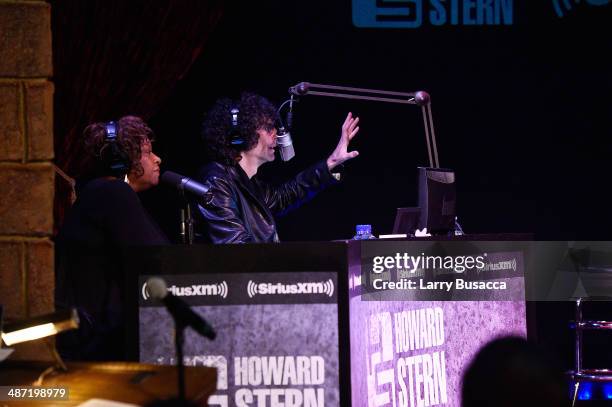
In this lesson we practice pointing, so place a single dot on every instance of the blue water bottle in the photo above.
(364, 232)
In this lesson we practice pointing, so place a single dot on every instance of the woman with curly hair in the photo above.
(117, 162)
(240, 136)
(107, 217)
(123, 142)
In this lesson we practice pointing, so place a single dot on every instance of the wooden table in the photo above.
(126, 382)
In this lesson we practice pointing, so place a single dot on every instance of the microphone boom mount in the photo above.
(420, 98)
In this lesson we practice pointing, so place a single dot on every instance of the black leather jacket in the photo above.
(242, 210)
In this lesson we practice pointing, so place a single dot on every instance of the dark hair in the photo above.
(255, 112)
(132, 132)
(510, 371)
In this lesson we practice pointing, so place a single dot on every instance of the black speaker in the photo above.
(115, 160)
(235, 137)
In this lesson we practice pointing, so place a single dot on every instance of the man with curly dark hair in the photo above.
(240, 136)
(117, 161)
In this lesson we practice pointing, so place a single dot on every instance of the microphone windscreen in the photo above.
(157, 288)
(171, 178)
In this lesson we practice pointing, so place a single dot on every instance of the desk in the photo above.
(411, 343)
(294, 322)
(126, 382)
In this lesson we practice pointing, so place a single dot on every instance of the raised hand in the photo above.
(341, 153)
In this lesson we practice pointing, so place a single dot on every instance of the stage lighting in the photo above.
(39, 327)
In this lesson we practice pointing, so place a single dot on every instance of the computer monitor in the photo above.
(437, 198)
(406, 221)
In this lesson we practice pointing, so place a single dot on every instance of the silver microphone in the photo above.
(285, 144)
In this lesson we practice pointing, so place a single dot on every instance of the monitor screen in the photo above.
(437, 200)
(406, 221)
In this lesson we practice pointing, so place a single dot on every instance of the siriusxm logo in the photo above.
(324, 287)
(192, 290)
(563, 6)
(500, 265)
(415, 13)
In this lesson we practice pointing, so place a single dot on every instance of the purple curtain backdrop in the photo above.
(115, 57)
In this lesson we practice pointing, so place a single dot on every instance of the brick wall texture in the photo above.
(26, 171)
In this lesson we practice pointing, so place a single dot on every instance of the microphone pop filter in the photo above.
(157, 288)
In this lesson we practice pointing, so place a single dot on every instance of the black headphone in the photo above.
(115, 160)
(235, 137)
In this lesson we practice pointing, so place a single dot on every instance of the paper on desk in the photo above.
(421, 233)
(105, 403)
